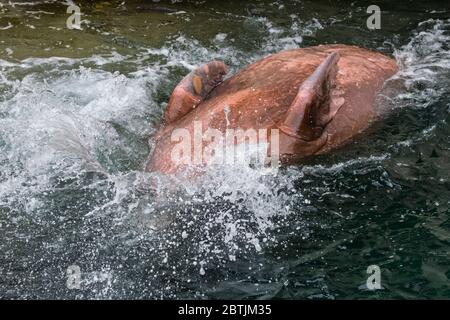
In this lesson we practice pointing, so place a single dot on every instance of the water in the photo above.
(77, 108)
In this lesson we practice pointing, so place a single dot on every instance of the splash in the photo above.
(73, 142)
(425, 61)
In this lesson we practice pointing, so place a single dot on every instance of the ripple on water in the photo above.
(73, 142)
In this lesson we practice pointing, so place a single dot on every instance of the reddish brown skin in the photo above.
(260, 95)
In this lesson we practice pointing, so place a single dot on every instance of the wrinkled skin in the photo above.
(318, 97)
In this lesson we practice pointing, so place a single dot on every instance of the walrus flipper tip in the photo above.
(194, 88)
(315, 104)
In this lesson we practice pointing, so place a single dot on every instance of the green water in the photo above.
(78, 106)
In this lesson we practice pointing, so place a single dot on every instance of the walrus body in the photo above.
(318, 98)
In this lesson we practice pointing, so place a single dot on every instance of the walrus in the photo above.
(317, 99)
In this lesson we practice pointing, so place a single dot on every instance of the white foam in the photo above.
(59, 121)
(425, 58)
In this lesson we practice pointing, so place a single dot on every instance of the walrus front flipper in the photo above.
(315, 104)
(193, 89)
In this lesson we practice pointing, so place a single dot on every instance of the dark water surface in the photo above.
(77, 108)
